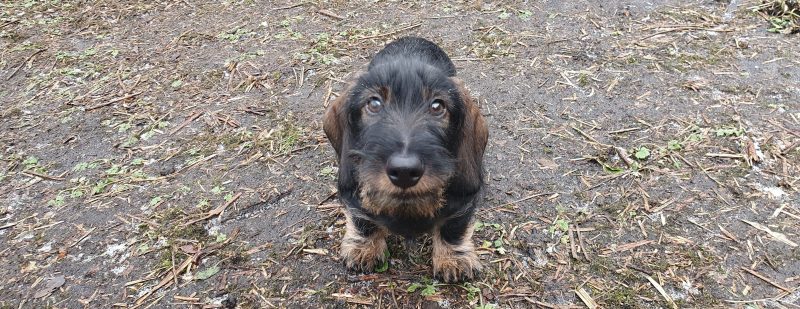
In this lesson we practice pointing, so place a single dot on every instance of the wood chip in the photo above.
(661, 291)
(112, 101)
(586, 298)
(350, 298)
(316, 251)
(626, 247)
(778, 236)
(767, 280)
(214, 212)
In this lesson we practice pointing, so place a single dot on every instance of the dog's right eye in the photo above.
(374, 105)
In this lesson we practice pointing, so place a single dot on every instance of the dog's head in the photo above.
(403, 133)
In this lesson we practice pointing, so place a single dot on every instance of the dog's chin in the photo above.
(406, 203)
(409, 198)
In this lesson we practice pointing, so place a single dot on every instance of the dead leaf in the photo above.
(751, 151)
(546, 164)
(31, 266)
(188, 249)
(207, 273)
(50, 285)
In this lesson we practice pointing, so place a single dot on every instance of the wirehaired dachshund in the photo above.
(409, 140)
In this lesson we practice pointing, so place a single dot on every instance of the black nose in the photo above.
(404, 170)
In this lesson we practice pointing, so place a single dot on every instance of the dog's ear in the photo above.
(335, 121)
(473, 137)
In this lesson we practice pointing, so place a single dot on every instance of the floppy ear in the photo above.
(335, 121)
(473, 137)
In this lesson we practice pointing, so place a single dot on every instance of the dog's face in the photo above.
(404, 114)
(400, 134)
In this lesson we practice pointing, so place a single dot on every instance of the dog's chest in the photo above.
(408, 227)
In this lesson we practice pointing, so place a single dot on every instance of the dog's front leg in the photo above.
(454, 257)
(364, 243)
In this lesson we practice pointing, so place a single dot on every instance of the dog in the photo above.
(410, 142)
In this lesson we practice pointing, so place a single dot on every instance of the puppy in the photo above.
(409, 140)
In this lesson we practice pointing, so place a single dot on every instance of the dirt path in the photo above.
(160, 155)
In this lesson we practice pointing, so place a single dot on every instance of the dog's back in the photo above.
(415, 48)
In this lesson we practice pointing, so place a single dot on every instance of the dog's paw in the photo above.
(455, 265)
(363, 253)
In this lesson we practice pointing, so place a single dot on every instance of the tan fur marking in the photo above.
(453, 263)
(382, 204)
(362, 252)
(378, 195)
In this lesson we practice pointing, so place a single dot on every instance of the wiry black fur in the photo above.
(418, 49)
(407, 67)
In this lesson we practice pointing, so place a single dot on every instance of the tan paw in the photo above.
(456, 267)
(454, 263)
(363, 253)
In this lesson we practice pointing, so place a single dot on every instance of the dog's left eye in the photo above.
(437, 108)
(374, 105)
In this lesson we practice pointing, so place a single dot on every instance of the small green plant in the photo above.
(30, 162)
(694, 137)
(729, 131)
(479, 226)
(496, 244)
(58, 201)
(155, 200)
(560, 226)
(472, 291)
(84, 166)
(235, 35)
(321, 51)
(76, 192)
(207, 273)
(504, 15)
(100, 185)
(426, 288)
(783, 15)
(115, 169)
(219, 237)
(328, 172)
(674, 145)
(583, 79)
(203, 203)
(383, 267)
(287, 138)
(642, 153)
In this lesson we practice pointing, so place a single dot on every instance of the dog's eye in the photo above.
(437, 108)
(374, 105)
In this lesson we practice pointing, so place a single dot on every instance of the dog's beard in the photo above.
(405, 204)
(380, 197)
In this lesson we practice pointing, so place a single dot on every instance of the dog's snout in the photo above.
(404, 170)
